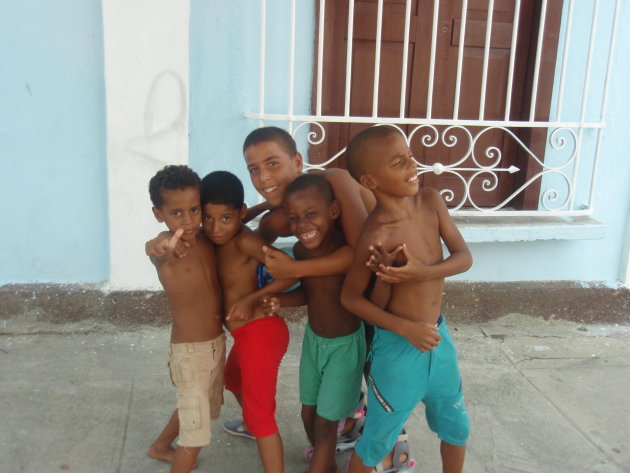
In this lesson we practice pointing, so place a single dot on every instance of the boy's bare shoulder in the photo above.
(429, 199)
(248, 240)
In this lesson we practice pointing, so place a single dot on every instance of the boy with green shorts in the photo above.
(333, 351)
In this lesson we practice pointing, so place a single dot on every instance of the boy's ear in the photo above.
(366, 180)
(243, 212)
(299, 161)
(157, 214)
(334, 209)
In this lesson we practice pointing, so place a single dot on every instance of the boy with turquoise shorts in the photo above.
(413, 357)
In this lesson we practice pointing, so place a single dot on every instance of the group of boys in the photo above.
(369, 260)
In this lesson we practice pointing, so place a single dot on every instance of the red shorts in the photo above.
(251, 370)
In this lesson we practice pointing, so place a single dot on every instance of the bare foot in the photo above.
(163, 454)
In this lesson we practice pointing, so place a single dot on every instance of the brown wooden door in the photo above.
(419, 50)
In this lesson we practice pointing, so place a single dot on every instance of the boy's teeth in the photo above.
(309, 235)
(270, 189)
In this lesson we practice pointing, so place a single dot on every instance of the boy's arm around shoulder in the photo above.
(458, 261)
(252, 244)
(353, 212)
(422, 335)
(352, 206)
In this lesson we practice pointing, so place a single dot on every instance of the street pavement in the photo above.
(544, 396)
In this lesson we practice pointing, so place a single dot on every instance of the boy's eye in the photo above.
(397, 163)
(176, 213)
(272, 164)
(227, 219)
(253, 170)
(293, 219)
(196, 210)
(311, 214)
(207, 218)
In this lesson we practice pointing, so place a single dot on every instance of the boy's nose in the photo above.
(264, 174)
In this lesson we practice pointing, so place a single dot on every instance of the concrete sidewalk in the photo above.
(544, 396)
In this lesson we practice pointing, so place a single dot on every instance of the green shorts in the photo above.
(330, 372)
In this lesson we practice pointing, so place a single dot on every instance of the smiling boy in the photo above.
(333, 350)
(410, 336)
(273, 163)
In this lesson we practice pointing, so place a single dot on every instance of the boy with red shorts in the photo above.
(260, 342)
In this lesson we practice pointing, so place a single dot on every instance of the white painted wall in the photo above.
(146, 80)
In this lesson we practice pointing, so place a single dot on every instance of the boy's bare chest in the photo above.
(420, 234)
(188, 274)
(234, 266)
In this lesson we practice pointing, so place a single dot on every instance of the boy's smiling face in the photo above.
(392, 167)
(181, 208)
(311, 218)
(221, 222)
(271, 169)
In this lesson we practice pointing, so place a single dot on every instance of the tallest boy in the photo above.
(273, 163)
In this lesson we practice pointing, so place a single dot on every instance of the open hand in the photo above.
(270, 305)
(242, 310)
(279, 264)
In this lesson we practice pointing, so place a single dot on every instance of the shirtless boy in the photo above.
(333, 351)
(412, 222)
(273, 163)
(251, 371)
(194, 298)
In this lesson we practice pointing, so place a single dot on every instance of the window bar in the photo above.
(565, 58)
(460, 58)
(510, 83)
(405, 58)
(349, 58)
(291, 66)
(585, 90)
(486, 54)
(377, 58)
(541, 36)
(261, 66)
(611, 53)
(436, 11)
(320, 55)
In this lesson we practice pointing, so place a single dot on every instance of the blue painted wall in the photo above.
(224, 84)
(581, 260)
(224, 72)
(53, 197)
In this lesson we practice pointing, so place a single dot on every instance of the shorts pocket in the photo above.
(189, 413)
(184, 375)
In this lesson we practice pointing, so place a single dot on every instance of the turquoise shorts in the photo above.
(330, 372)
(401, 376)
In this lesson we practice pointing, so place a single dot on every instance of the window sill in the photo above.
(509, 229)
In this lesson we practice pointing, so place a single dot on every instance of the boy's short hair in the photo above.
(171, 177)
(271, 133)
(222, 187)
(311, 180)
(355, 161)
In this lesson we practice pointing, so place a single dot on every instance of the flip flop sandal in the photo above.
(401, 450)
